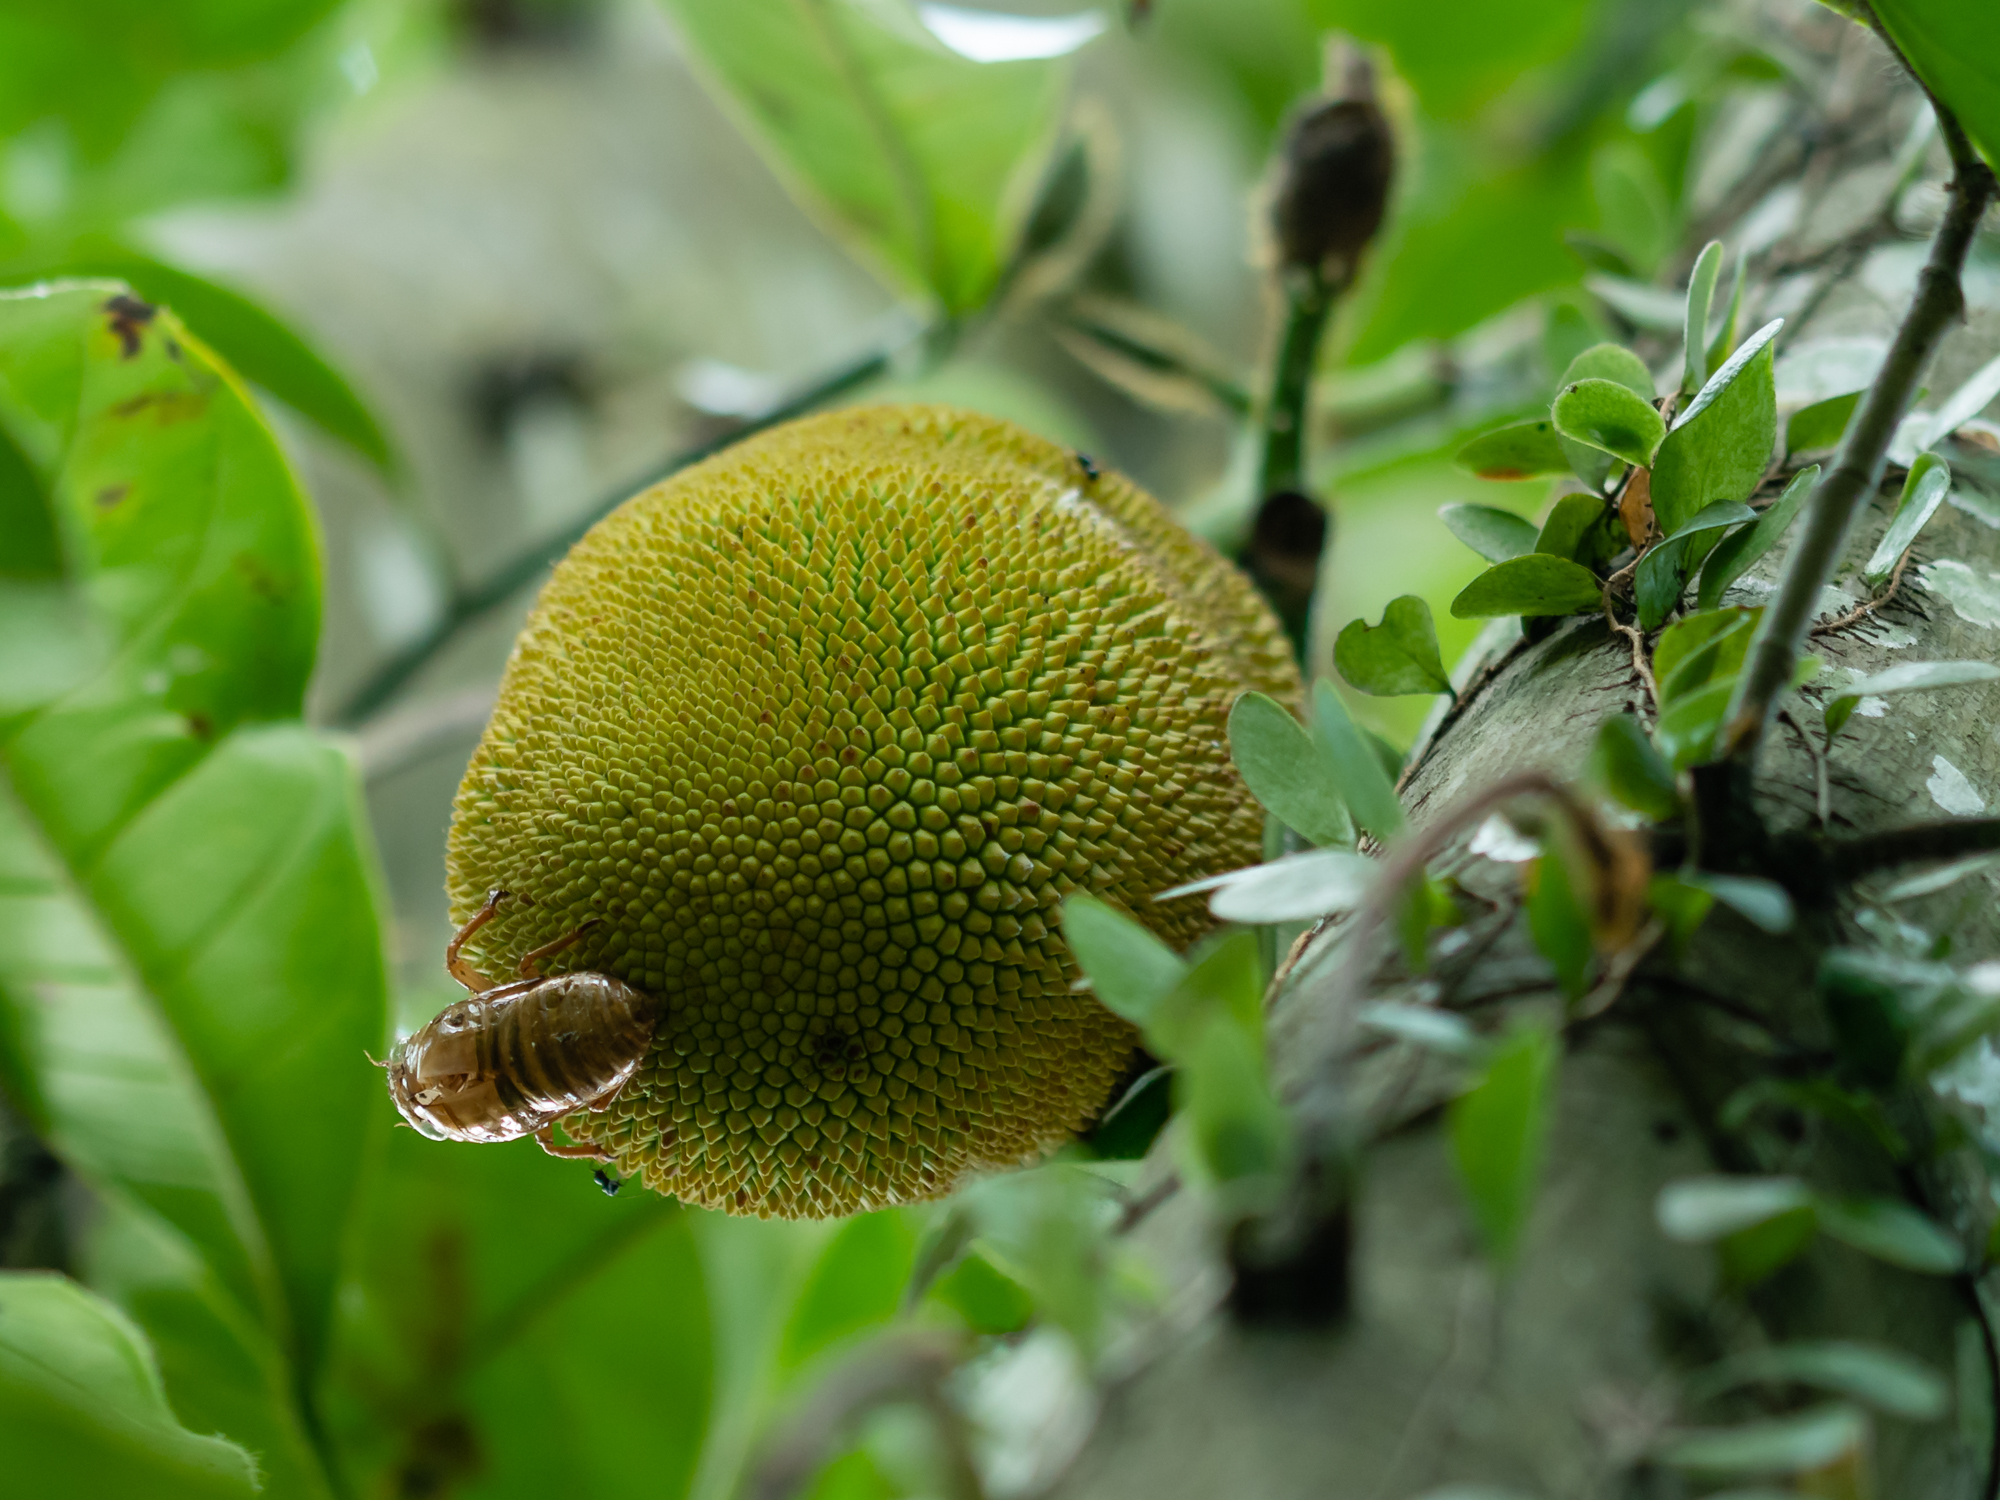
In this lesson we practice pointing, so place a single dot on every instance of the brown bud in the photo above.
(1333, 183)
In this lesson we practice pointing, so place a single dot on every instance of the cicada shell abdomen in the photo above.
(509, 1061)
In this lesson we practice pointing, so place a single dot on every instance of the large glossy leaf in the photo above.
(1950, 44)
(914, 151)
(82, 1411)
(1719, 447)
(225, 1371)
(259, 346)
(505, 1320)
(189, 955)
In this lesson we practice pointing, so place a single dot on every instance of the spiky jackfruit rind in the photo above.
(822, 730)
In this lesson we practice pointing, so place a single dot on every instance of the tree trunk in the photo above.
(1563, 1376)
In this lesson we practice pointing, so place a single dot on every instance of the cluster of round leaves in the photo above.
(821, 732)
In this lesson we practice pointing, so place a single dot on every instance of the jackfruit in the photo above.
(821, 731)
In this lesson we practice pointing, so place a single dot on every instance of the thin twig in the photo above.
(1635, 636)
(1823, 797)
(1857, 468)
(468, 604)
(1868, 607)
(904, 1365)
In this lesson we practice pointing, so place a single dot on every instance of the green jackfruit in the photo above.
(822, 731)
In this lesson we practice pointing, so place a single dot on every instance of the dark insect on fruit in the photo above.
(606, 1181)
(511, 1060)
(1088, 464)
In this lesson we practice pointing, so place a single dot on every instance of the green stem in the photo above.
(468, 604)
(1309, 300)
(1857, 468)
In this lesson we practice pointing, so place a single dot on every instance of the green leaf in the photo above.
(1639, 303)
(1525, 450)
(82, 1410)
(1624, 762)
(1604, 414)
(1821, 425)
(1740, 551)
(1425, 1025)
(1755, 1254)
(1687, 727)
(1611, 362)
(1533, 585)
(1805, 1440)
(917, 153)
(1363, 781)
(1722, 343)
(1681, 906)
(1398, 656)
(1286, 771)
(1974, 394)
(1499, 1130)
(1584, 528)
(1720, 446)
(223, 1372)
(1239, 1131)
(1700, 648)
(857, 1285)
(496, 1297)
(1762, 903)
(1701, 292)
(1292, 889)
(1701, 1210)
(990, 1301)
(1559, 924)
(1661, 576)
(1884, 1378)
(189, 952)
(1633, 202)
(1130, 970)
(33, 549)
(1905, 677)
(1950, 44)
(1892, 1231)
(259, 346)
(1923, 492)
(1494, 534)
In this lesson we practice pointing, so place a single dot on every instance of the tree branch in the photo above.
(1857, 468)
(1951, 838)
(468, 604)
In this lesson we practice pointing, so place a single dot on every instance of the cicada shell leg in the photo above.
(547, 1136)
(531, 962)
(456, 966)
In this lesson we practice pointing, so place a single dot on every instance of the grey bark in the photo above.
(1561, 1378)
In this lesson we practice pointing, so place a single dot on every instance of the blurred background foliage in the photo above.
(487, 264)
